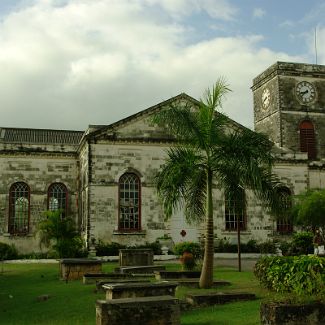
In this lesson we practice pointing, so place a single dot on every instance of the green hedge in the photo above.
(8, 252)
(302, 275)
(112, 249)
(267, 247)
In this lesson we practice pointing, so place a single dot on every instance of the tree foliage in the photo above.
(211, 151)
(60, 234)
(8, 252)
(309, 208)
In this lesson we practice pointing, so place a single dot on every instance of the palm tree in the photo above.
(210, 151)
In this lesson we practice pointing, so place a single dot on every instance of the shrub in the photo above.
(285, 248)
(60, 235)
(155, 246)
(189, 247)
(112, 249)
(302, 243)
(224, 246)
(188, 261)
(267, 247)
(250, 247)
(302, 275)
(8, 252)
(108, 249)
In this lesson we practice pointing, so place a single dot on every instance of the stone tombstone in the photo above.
(76, 268)
(135, 257)
(159, 310)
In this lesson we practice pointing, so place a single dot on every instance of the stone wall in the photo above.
(109, 162)
(38, 171)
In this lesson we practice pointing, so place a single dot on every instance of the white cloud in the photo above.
(219, 9)
(288, 24)
(67, 64)
(258, 13)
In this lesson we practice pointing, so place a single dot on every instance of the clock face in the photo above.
(305, 92)
(266, 98)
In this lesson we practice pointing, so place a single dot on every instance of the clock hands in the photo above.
(304, 92)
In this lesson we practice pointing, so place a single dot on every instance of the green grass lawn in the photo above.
(74, 303)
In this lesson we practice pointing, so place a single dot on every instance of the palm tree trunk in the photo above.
(206, 279)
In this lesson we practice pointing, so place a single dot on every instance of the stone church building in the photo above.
(104, 177)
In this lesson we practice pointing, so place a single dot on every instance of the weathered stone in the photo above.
(288, 314)
(176, 275)
(217, 298)
(141, 289)
(75, 268)
(135, 257)
(148, 269)
(99, 284)
(161, 310)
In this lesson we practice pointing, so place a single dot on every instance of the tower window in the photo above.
(307, 139)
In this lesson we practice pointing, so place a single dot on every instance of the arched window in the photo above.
(19, 197)
(233, 209)
(284, 225)
(307, 139)
(129, 202)
(57, 198)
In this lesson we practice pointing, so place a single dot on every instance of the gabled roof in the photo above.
(95, 130)
(40, 136)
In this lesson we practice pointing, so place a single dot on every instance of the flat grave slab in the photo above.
(147, 269)
(194, 283)
(175, 275)
(140, 289)
(90, 278)
(217, 298)
(99, 284)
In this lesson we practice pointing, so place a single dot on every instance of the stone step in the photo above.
(217, 298)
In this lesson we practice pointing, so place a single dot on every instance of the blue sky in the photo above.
(70, 63)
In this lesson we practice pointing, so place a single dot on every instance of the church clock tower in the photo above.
(289, 106)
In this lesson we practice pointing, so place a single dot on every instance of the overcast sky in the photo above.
(65, 64)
